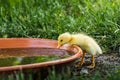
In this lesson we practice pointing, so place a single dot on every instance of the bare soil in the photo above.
(105, 63)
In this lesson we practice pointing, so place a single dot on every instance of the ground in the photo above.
(104, 64)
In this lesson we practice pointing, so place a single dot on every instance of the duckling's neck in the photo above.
(75, 40)
(70, 39)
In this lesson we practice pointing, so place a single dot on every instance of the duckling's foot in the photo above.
(91, 66)
(93, 63)
(80, 63)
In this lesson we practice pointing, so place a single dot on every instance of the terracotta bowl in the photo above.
(34, 47)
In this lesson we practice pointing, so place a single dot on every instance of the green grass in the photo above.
(63, 75)
(49, 18)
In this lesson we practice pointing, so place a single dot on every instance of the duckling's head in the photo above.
(63, 39)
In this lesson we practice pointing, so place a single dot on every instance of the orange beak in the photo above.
(58, 46)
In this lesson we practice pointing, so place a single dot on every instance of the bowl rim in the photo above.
(77, 55)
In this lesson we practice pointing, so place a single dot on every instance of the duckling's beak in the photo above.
(58, 46)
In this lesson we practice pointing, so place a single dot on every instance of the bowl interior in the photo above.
(22, 56)
(26, 52)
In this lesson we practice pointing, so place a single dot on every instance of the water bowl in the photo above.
(34, 53)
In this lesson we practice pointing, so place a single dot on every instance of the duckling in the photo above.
(85, 42)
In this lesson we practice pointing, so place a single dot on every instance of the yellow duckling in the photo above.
(86, 43)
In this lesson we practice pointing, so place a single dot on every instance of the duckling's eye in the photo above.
(61, 40)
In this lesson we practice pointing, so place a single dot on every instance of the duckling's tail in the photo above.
(99, 51)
